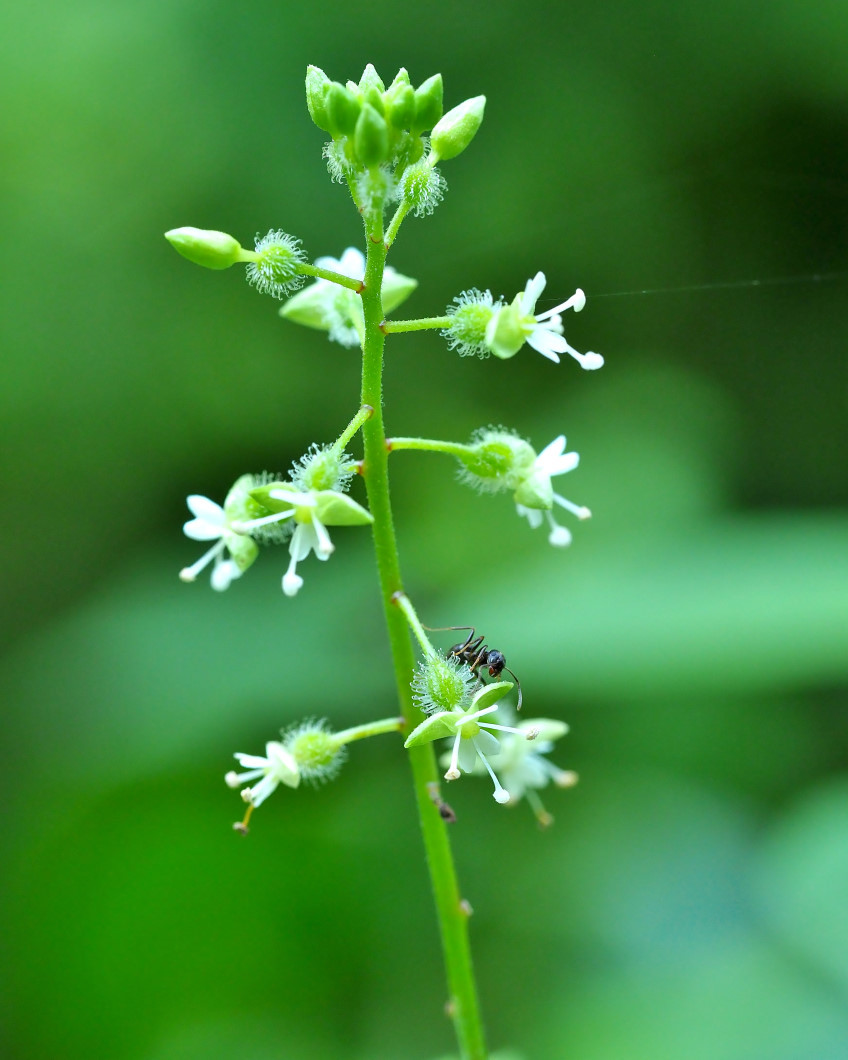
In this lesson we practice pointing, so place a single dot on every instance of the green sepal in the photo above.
(262, 495)
(317, 87)
(371, 137)
(337, 509)
(243, 549)
(535, 492)
(436, 727)
(504, 333)
(428, 103)
(488, 695)
(396, 289)
(206, 247)
(455, 131)
(308, 306)
(343, 108)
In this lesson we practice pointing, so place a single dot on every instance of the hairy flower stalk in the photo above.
(385, 144)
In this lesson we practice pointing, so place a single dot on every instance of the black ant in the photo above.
(474, 653)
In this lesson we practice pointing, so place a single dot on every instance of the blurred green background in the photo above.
(690, 901)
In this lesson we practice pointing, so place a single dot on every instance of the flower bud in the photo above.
(371, 80)
(203, 246)
(455, 131)
(399, 99)
(317, 87)
(371, 137)
(428, 103)
(342, 109)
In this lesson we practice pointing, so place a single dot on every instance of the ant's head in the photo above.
(496, 663)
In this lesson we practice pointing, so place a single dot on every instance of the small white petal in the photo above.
(263, 789)
(224, 574)
(533, 516)
(532, 292)
(205, 509)
(201, 530)
(545, 342)
(591, 361)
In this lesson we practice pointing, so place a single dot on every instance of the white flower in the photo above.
(277, 767)
(211, 522)
(535, 497)
(513, 325)
(473, 743)
(523, 766)
(312, 511)
(327, 306)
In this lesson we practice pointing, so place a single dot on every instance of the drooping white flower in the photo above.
(514, 324)
(535, 497)
(212, 522)
(474, 742)
(312, 511)
(338, 310)
(522, 764)
(277, 767)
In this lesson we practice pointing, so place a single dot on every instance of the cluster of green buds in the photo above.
(378, 125)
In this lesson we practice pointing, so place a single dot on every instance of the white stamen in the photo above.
(576, 509)
(251, 524)
(325, 546)
(477, 714)
(504, 728)
(500, 794)
(188, 574)
(576, 302)
(453, 770)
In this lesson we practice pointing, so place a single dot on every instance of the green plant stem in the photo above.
(364, 413)
(370, 728)
(333, 277)
(405, 604)
(433, 445)
(390, 327)
(395, 223)
(453, 921)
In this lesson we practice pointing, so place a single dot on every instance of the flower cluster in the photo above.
(265, 510)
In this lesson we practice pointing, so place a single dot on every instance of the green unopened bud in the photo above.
(428, 103)
(371, 79)
(455, 131)
(342, 109)
(400, 105)
(371, 137)
(203, 246)
(501, 461)
(317, 87)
